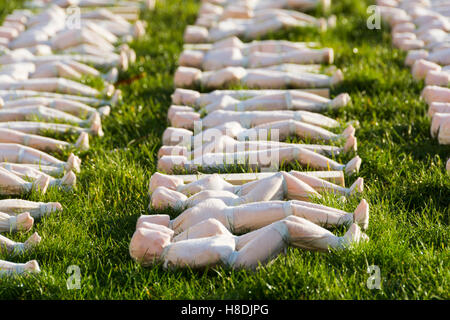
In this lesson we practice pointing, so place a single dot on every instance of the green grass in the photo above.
(404, 170)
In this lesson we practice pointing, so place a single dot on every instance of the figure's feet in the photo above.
(42, 183)
(354, 235)
(69, 180)
(361, 214)
(73, 163)
(357, 186)
(83, 142)
(351, 144)
(349, 131)
(96, 127)
(353, 165)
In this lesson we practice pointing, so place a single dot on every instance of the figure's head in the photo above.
(158, 219)
(421, 68)
(184, 119)
(173, 109)
(164, 180)
(237, 12)
(231, 42)
(169, 163)
(437, 78)
(210, 8)
(186, 77)
(191, 58)
(435, 94)
(172, 151)
(165, 198)
(437, 121)
(185, 96)
(147, 244)
(173, 136)
(195, 34)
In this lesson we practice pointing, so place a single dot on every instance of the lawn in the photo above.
(406, 185)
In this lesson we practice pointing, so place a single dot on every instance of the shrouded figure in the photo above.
(262, 23)
(40, 142)
(187, 118)
(169, 191)
(257, 159)
(262, 78)
(196, 99)
(36, 209)
(234, 57)
(285, 128)
(287, 100)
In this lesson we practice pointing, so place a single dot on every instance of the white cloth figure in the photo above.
(45, 114)
(296, 100)
(75, 108)
(61, 85)
(201, 100)
(260, 78)
(9, 95)
(225, 143)
(234, 57)
(285, 128)
(16, 153)
(209, 243)
(252, 216)
(16, 248)
(263, 22)
(36, 209)
(34, 175)
(43, 127)
(263, 46)
(68, 69)
(221, 10)
(11, 269)
(52, 170)
(82, 54)
(248, 119)
(256, 159)
(40, 142)
(280, 186)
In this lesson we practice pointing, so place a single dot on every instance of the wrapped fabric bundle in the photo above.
(36, 209)
(262, 78)
(280, 186)
(16, 153)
